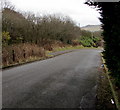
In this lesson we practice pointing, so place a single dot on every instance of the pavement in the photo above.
(65, 81)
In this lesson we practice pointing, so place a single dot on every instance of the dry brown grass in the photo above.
(25, 52)
(20, 52)
(50, 45)
(75, 43)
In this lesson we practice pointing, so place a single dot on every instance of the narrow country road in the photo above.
(65, 81)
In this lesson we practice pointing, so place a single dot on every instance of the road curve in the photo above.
(65, 81)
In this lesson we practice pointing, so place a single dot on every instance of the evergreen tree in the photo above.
(110, 18)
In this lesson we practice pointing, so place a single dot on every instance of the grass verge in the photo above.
(22, 62)
(70, 48)
(112, 86)
(57, 49)
(104, 93)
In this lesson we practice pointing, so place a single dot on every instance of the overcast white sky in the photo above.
(76, 9)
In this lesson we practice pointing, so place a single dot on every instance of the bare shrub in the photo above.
(20, 52)
(75, 43)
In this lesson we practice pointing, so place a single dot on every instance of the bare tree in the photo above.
(6, 4)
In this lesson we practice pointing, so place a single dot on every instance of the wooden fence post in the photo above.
(13, 55)
(24, 54)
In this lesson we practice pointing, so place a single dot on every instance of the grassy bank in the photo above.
(29, 53)
(20, 53)
(104, 93)
(114, 90)
(25, 53)
(69, 47)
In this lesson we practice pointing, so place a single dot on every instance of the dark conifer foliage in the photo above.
(110, 18)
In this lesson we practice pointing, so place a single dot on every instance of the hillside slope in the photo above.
(92, 28)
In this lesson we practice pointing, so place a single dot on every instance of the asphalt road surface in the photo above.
(65, 81)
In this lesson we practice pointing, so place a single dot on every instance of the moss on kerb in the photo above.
(111, 85)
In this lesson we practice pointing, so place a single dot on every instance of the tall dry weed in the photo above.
(20, 52)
